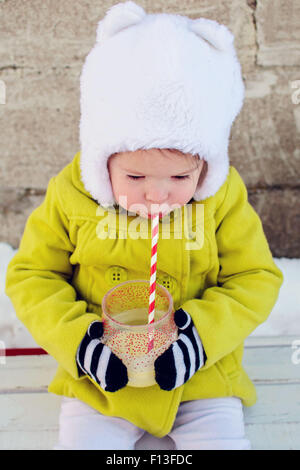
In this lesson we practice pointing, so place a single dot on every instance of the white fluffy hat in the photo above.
(158, 81)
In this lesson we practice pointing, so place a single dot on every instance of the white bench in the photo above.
(29, 414)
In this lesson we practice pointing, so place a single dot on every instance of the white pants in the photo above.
(210, 424)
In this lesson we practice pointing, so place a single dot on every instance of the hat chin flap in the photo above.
(119, 17)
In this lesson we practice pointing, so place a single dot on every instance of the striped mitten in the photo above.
(99, 362)
(183, 358)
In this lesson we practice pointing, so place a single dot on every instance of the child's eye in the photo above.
(182, 177)
(134, 177)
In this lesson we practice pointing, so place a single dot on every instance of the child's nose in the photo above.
(156, 194)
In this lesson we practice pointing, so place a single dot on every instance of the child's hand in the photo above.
(99, 362)
(183, 358)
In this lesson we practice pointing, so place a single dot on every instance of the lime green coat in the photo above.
(216, 264)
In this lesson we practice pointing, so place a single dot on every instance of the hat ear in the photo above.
(119, 17)
(218, 35)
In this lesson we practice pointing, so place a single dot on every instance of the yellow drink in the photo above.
(132, 346)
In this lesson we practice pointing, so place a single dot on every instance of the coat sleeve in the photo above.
(248, 279)
(38, 284)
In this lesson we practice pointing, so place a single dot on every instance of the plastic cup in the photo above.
(127, 331)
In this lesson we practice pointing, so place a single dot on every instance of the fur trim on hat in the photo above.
(158, 81)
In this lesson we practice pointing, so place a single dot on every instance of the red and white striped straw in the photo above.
(154, 239)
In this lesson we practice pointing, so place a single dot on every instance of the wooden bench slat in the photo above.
(28, 440)
(266, 341)
(283, 436)
(29, 411)
(276, 403)
(26, 372)
(272, 364)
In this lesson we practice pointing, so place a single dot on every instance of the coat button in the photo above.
(116, 275)
(167, 281)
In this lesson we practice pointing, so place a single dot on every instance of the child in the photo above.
(159, 94)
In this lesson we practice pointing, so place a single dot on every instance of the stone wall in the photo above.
(43, 44)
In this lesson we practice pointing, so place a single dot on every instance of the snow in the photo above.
(283, 320)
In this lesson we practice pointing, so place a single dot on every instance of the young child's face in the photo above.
(148, 178)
